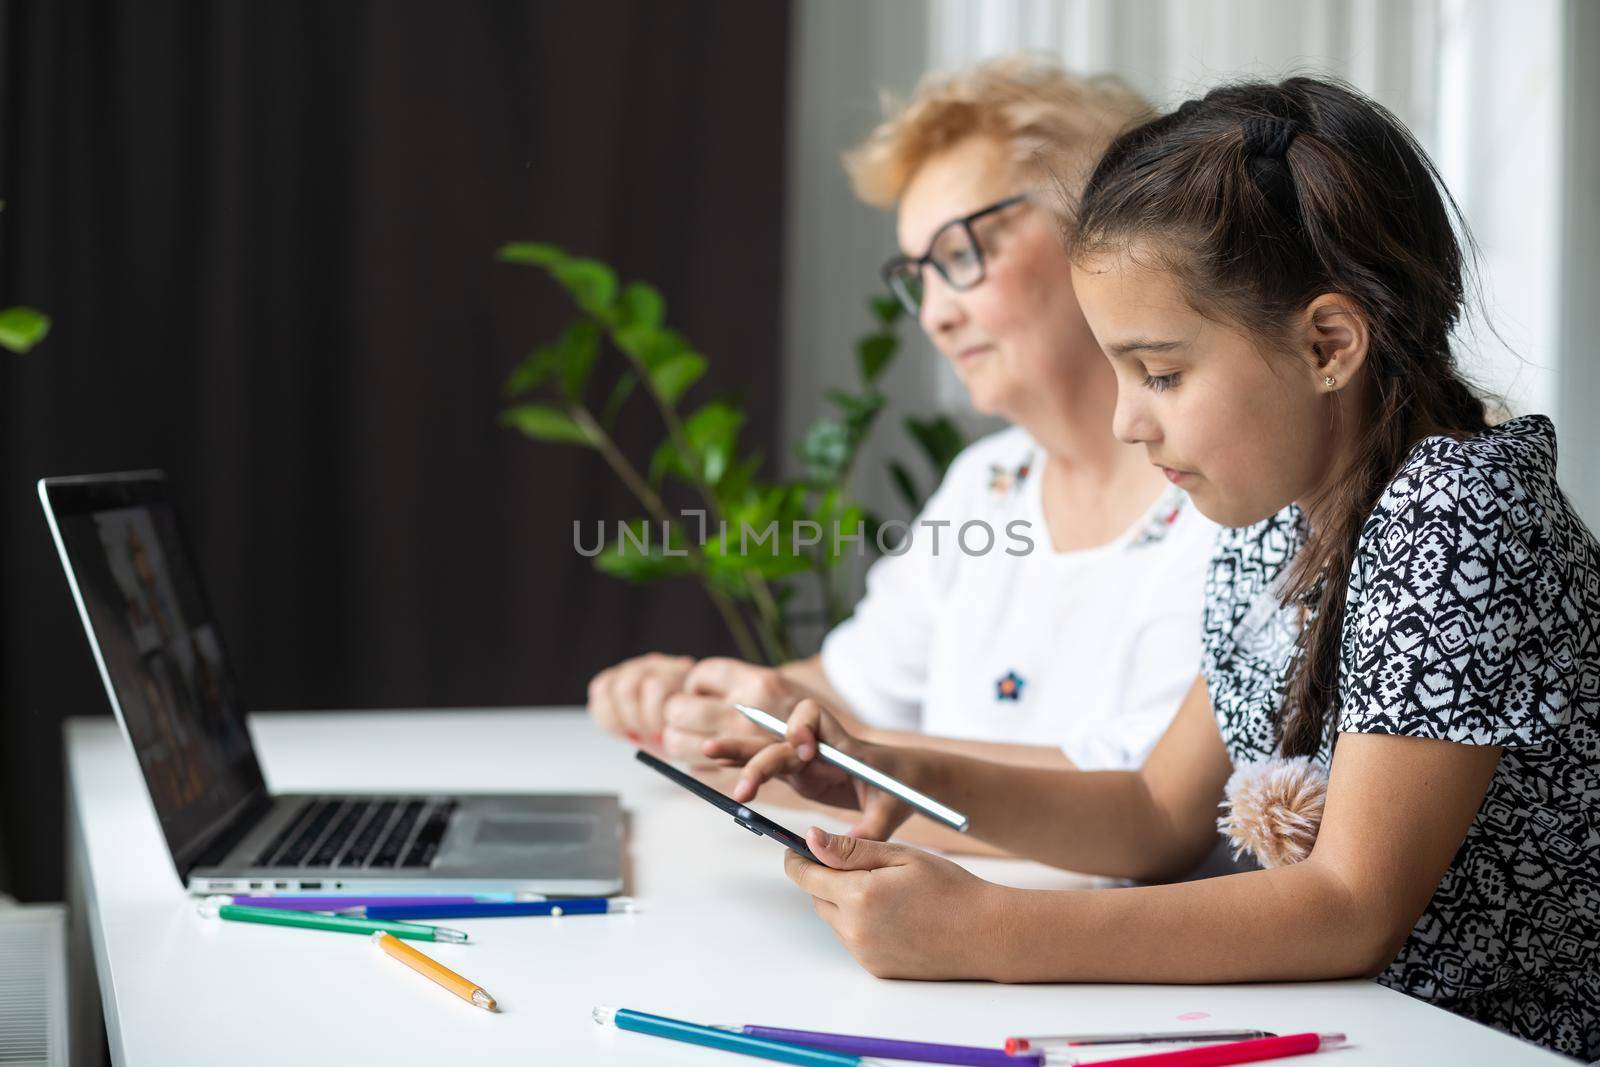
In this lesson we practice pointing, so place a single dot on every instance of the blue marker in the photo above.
(497, 910)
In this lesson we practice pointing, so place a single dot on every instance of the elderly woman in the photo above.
(1074, 647)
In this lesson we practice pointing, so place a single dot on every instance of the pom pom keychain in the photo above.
(1275, 809)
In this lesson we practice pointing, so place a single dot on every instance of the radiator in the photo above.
(33, 985)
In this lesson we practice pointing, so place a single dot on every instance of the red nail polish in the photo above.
(632, 736)
(658, 737)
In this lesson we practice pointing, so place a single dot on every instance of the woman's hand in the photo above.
(794, 759)
(630, 699)
(703, 709)
(902, 912)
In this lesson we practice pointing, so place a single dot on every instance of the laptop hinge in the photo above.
(227, 839)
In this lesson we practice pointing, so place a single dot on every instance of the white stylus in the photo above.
(852, 766)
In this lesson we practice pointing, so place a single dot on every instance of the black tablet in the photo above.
(753, 821)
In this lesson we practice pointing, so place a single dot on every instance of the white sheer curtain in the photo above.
(1495, 92)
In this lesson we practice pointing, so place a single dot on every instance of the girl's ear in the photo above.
(1335, 336)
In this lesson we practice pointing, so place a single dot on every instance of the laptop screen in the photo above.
(159, 652)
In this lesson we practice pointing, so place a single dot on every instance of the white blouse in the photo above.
(1090, 650)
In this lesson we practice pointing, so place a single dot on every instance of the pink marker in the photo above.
(1265, 1048)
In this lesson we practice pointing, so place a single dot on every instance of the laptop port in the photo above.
(280, 885)
(310, 885)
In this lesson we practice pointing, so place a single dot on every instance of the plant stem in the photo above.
(770, 619)
(653, 504)
(830, 595)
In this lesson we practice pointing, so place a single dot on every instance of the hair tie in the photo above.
(1269, 137)
(1266, 143)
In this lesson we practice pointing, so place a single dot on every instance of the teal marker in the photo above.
(711, 1037)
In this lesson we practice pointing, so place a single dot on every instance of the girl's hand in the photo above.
(902, 912)
(794, 759)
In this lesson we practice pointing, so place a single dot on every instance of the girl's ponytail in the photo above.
(1259, 198)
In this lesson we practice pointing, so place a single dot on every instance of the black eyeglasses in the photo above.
(954, 252)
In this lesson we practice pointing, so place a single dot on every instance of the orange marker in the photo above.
(432, 969)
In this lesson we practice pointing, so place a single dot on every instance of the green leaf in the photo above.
(856, 406)
(874, 353)
(531, 254)
(625, 558)
(650, 346)
(534, 370)
(578, 346)
(22, 327)
(640, 305)
(712, 431)
(674, 377)
(591, 284)
(939, 438)
(620, 392)
(545, 423)
(783, 565)
(825, 450)
(772, 557)
(886, 309)
(907, 487)
(667, 460)
(845, 521)
(739, 484)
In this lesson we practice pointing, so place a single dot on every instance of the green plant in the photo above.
(21, 327)
(745, 551)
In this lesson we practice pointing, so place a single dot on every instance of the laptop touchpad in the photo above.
(520, 833)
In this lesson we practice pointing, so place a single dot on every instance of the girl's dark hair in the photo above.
(1260, 198)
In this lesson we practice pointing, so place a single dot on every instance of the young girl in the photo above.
(1076, 650)
(1405, 597)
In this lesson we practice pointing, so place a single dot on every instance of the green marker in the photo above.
(219, 908)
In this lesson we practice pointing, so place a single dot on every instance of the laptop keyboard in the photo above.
(353, 833)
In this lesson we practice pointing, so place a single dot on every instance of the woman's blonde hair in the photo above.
(1052, 123)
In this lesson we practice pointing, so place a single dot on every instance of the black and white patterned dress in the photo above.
(1473, 616)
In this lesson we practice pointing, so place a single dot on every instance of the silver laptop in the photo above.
(161, 658)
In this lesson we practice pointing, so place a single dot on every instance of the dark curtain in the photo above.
(265, 233)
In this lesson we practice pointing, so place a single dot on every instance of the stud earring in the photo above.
(1330, 381)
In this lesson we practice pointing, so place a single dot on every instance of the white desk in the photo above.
(723, 936)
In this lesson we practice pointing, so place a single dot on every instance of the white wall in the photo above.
(1495, 91)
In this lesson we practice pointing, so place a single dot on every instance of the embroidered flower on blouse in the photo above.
(1161, 522)
(1006, 480)
(1009, 686)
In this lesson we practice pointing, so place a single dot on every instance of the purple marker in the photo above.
(300, 903)
(888, 1048)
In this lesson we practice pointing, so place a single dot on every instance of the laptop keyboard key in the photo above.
(307, 835)
(395, 840)
(264, 858)
(367, 836)
(426, 844)
(334, 843)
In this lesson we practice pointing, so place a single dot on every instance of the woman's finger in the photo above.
(712, 676)
(625, 698)
(601, 707)
(696, 714)
(654, 690)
